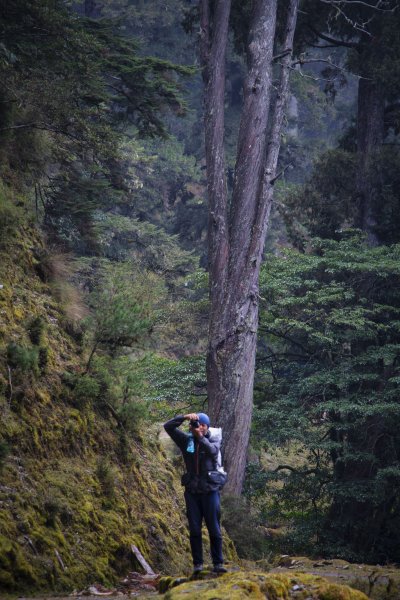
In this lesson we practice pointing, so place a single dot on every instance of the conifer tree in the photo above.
(237, 228)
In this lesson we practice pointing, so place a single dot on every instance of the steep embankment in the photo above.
(75, 490)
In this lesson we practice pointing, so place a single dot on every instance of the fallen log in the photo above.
(142, 560)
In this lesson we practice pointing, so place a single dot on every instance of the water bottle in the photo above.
(190, 446)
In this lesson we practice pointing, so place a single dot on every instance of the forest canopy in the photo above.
(180, 217)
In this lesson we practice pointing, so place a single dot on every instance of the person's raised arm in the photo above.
(171, 427)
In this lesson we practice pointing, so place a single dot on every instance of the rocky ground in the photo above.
(289, 578)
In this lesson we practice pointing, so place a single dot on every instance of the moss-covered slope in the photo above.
(75, 490)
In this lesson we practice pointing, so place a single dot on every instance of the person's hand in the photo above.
(191, 417)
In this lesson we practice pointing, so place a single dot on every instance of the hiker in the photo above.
(202, 483)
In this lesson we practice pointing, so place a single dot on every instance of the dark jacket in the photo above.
(198, 463)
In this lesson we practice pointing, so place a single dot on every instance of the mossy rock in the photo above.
(274, 586)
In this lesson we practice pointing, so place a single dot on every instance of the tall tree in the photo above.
(328, 382)
(69, 142)
(237, 226)
(369, 31)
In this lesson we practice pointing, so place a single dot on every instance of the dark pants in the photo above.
(207, 506)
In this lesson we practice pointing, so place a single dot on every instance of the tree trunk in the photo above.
(370, 135)
(235, 249)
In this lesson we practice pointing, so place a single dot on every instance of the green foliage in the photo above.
(123, 307)
(106, 474)
(175, 383)
(23, 358)
(133, 416)
(328, 377)
(246, 533)
(10, 217)
(121, 238)
(36, 329)
(162, 199)
(327, 203)
(157, 25)
(99, 85)
(43, 358)
(4, 452)
(86, 390)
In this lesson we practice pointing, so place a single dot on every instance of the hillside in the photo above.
(76, 490)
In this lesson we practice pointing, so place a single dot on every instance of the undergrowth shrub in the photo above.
(123, 449)
(10, 217)
(73, 328)
(133, 415)
(56, 506)
(43, 358)
(106, 474)
(36, 329)
(52, 508)
(3, 385)
(22, 358)
(86, 389)
(4, 452)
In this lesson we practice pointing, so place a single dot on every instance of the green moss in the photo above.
(51, 500)
(258, 586)
(7, 581)
(13, 565)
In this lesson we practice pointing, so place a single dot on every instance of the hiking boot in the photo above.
(197, 568)
(219, 568)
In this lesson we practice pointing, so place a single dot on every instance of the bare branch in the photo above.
(305, 61)
(354, 24)
(373, 7)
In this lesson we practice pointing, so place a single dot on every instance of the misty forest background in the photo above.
(103, 271)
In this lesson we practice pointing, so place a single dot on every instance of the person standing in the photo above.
(202, 490)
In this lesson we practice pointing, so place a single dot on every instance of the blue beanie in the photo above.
(203, 419)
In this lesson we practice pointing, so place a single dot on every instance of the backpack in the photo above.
(220, 476)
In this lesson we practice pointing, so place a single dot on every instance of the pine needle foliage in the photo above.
(328, 378)
(71, 86)
(123, 310)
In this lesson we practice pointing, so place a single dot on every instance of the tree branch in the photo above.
(294, 470)
(376, 7)
(41, 127)
(282, 172)
(332, 40)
